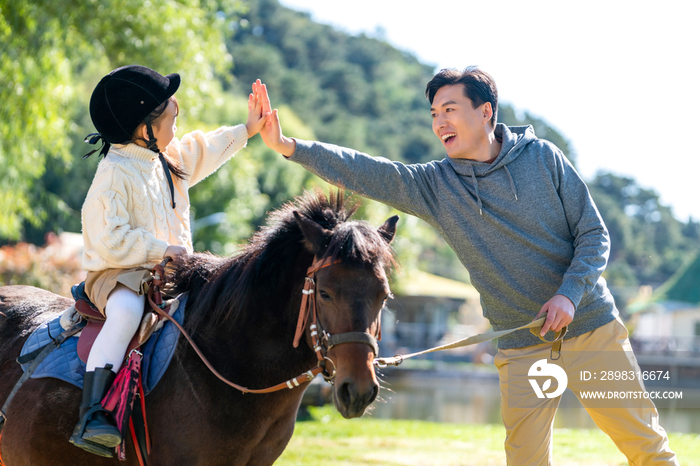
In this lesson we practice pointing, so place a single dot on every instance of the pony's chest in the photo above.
(257, 434)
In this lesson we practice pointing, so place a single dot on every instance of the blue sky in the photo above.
(620, 79)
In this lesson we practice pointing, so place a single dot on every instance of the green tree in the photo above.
(352, 90)
(648, 244)
(52, 55)
(356, 91)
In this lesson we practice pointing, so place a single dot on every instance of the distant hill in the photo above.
(361, 92)
(354, 91)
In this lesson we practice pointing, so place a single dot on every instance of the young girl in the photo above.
(136, 213)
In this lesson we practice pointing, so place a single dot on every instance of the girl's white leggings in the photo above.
(124, 311)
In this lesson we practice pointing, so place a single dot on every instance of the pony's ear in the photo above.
(388, 230)
(315, 236)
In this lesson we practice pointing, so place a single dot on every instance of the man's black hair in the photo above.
(479, 86)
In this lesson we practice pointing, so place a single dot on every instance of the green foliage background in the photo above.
(349, 90)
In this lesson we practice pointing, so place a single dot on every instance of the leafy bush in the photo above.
(54, 267)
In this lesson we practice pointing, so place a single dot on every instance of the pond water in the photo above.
(474, 397)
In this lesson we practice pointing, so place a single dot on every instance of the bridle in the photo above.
(321, 344)
(322, 340)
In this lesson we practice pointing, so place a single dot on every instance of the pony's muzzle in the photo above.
(356, 385)
(351, 401)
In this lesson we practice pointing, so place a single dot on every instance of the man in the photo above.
(523, 223)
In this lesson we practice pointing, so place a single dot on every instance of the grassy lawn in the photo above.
(330, 439)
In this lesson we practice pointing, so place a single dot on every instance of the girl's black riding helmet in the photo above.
(123, 99)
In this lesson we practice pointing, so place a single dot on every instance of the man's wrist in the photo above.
(287, 146)
(568, 299)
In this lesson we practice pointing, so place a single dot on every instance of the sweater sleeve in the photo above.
(107, 230)
(591, 239)
(404, 187)
(201, 154)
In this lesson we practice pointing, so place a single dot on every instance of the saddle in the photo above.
(119, 399)
(84, 308)
(84, 321)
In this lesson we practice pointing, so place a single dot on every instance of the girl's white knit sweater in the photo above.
(127, 217)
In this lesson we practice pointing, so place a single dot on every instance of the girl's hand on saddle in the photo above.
(271, 132)
(257, 116)
(172, 251)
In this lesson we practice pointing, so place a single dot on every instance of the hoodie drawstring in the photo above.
(476, 189)
(512, 183)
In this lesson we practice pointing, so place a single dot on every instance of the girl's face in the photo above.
(165, 127)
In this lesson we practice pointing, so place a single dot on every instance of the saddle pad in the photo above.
(64, 364)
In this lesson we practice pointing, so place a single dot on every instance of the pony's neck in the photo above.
(261, 334)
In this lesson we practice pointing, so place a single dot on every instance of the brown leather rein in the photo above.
(322, 341)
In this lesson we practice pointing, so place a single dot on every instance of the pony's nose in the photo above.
(354, 401)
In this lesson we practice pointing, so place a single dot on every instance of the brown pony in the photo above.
(242, 312)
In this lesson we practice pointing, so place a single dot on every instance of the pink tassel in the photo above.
(119, 400)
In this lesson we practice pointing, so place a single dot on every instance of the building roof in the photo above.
(681, 291)
(683, 286)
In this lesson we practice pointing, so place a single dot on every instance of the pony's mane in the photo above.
(221, 289)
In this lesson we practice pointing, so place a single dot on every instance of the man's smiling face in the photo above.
(456, 122)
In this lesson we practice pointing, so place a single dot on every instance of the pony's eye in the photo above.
(387, 297)
(324, 295)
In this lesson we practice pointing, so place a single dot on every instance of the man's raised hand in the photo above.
(271, 132)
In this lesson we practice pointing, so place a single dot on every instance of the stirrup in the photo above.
(96, 439)
(94, 448)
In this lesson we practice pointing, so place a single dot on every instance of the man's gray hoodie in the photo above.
(524, 226)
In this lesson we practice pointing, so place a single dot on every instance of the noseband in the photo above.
(321, 339)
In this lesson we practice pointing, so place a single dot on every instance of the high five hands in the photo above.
(257, 115)
(271, 130)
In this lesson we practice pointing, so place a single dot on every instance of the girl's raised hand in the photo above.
(257, 116)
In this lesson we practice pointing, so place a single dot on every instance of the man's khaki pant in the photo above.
(631, 423)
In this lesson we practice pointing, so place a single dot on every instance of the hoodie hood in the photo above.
(514, 139)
